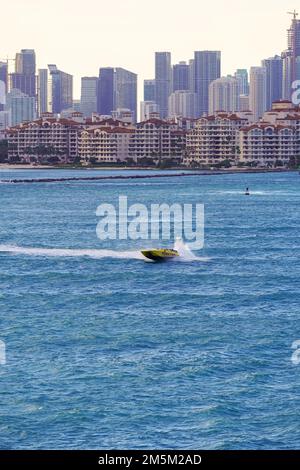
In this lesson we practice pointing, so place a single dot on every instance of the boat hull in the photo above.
(160, 255)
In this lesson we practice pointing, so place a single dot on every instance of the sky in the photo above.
(82, 36)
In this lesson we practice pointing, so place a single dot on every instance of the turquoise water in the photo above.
(105, 350)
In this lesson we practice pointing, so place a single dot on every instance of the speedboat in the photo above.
(160, 254)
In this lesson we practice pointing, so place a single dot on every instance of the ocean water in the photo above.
(105, 350)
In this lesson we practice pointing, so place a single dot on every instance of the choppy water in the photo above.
(105, 350)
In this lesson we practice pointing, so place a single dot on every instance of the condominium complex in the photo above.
(215, 138)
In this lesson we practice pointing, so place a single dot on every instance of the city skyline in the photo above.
(125, 28)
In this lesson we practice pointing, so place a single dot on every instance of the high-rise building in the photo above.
(106, 103)
(182, 103)
(148, 109)
(163, 81)
(207, 68)
(3, 84)
(224, 95)
(20, 106)
(191, 76)
(274, 70)
(287, 74)
(24, 77)
(181, 76)
(126, 90)
(60, 90)
(89, 95)
(258, 91)
(26, 62)
(294, 43)
(244, 103)
(117, 89)
(149, 90)
(242, 76)
(42, 91)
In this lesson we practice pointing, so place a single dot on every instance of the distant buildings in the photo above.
(207, 68)
(20, 106)
(243, 80)
(274, 75)
(258, 91)
(3, 84)
(117, 89)
(42, 91)
(89, 95)
(294, 46)
(182, 104)
(148, 109)
(24, 77)
(60, 90)
(181, 76)
(163, 81)
(224, 95)
(149, 90)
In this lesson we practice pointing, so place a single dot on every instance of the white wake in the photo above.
(72, 253)
(185, 253)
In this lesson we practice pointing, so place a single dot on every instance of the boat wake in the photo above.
(186, 254)
(184, 251)
(72, 253)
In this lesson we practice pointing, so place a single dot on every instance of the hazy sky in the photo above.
(81, 36)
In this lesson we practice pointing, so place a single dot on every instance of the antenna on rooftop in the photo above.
(294, 13)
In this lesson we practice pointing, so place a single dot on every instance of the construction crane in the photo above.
(294, 13)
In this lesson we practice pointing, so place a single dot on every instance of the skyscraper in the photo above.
(207, 68)
(117, 89)
(89, 95)
(163, 81)
(42, 91)
(274, 71)
(21, 107)
(287, 73)
(180, 76)
(126, 90)
(191, 76)
(294, 43)
(60, 90)
(182, 103)
(224, 95)
(106, 102)
(3, 84)
(258, 91)
(149, 90)
(24, 77)
(242, 76)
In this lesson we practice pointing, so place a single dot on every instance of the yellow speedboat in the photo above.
(160, 254)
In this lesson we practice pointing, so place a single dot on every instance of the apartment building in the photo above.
(42, 139)
(215, 138)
